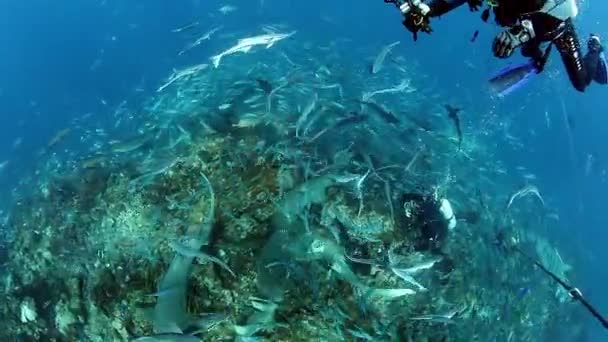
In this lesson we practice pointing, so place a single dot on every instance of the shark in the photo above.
(206, 36)
(244, 45)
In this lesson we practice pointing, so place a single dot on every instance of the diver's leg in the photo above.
(570, 49)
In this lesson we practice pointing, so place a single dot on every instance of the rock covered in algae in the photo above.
(370, 226)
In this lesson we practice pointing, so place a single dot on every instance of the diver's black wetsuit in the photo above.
(547, 28)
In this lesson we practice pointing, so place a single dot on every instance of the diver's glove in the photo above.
(594, 44)
(509, 40)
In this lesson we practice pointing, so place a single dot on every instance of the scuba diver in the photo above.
(528, 25)
(432, 216)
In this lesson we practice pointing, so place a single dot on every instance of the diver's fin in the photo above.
(513, 77)
(601, 74)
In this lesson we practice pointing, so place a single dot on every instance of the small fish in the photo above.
(475, 35)
(453, 114)
(3, 165)
(379, 61)
(186, 27)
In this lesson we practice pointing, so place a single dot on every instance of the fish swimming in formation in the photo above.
(244, 45)
(453, 114)
(379, 61)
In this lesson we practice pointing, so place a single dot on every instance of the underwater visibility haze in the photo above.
(204, 170)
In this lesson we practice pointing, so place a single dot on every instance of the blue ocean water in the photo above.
(62, 60)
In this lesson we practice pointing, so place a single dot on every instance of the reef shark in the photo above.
(245, 44)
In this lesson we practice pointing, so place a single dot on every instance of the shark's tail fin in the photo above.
(216, 60)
